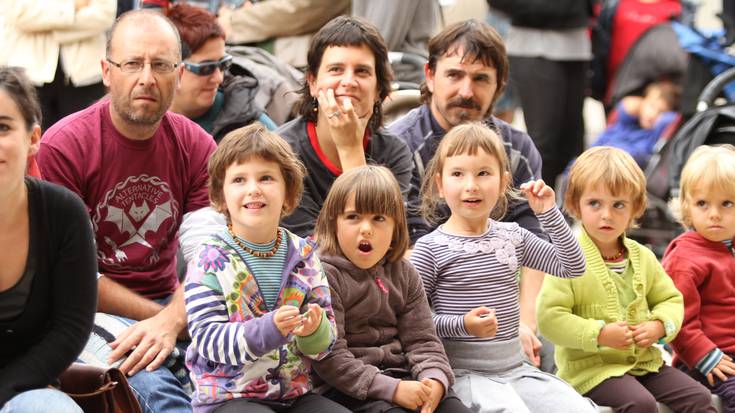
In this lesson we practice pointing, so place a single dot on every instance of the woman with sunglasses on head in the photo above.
(340, 126)
(48, 284)
(208, 93)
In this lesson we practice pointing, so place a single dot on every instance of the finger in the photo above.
(286, 313)
(719, 374)
(160, 358)
(147, 358)
(322, 101)
(726, 357)
(332, 100)
(537, 186)
(536, 359)
(133, 358)
(128, 343)
(710, 379)
(536, 343)
(348, 109)
(545, 191)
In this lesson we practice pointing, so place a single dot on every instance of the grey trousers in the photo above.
(491, 377)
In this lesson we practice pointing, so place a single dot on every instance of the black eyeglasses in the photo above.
(135, 66)
(207, 68)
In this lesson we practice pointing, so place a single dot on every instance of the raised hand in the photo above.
(647, 333)
(540, 196)
(346, 127)
(481, 322)
(616, 335)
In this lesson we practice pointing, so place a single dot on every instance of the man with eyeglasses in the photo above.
(139, 169)
(209, 94)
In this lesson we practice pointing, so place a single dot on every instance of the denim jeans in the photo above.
(159, 391)
(39, 400)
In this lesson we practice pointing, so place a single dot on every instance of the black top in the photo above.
(50, 332)
(382, 148)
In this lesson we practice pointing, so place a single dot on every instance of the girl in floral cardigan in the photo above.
(257, 300)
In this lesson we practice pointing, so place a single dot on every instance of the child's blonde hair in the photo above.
(376, 191)
(242, 144)
(709, 168)
(466, 139)
(611, 167)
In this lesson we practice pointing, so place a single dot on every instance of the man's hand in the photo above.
(647, 333)
(481, 322)
(724, 369)
(616, 335)
(540, 196)
(287, 318)
(311, 321)
(411, 394)
(531, 344)
(150, 341)
(437, 393)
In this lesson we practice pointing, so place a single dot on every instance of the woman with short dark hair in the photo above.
(340, 126)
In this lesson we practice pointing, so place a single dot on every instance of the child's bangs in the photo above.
(720, 179)
(376, 196)
(618, 177)
(472, 141)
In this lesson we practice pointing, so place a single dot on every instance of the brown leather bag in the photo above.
(99, 389)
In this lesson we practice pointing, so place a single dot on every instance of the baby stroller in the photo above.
(713, 123)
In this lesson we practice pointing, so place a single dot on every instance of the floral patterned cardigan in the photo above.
(236, 349)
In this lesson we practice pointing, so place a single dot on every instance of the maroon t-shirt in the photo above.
(136, 191)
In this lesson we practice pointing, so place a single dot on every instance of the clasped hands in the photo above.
(620, 335)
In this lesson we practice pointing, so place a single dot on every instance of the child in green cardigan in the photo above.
(605, 322)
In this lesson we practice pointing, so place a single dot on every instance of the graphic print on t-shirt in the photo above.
(134, 222)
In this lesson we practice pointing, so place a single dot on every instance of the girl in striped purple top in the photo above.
(470, 267)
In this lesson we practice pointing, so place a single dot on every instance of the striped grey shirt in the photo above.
(460, 273)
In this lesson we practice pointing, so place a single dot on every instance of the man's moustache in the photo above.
(464, 103)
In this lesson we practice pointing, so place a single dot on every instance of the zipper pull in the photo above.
(381, 285)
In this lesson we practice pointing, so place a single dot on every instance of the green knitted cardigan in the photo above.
(571, 312)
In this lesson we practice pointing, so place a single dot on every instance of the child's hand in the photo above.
(616, 335)
(647, 333)
(481, 322)
(287, 318)
(530, 343)
(311, 321)
(437, 393)
(724, 369)
(540, 196)
(411, 394)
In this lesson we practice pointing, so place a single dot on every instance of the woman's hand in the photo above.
(346, 128)
(540, 196)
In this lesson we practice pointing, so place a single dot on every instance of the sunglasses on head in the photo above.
(207, 68)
